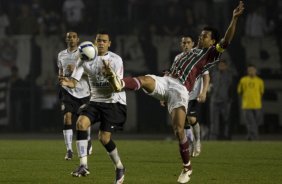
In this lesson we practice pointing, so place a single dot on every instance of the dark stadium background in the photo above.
(145, 33)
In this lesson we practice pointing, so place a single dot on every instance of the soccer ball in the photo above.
(88, 51)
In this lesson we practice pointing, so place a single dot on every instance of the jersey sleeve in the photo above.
(118, 67)
(206, 72)
(77, 72)
(59, 61)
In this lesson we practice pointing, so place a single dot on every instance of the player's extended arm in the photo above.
(232, 27)
(68, 82)
(203, 95)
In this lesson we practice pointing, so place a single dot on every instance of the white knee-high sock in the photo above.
(197, 131)
(81, 147)
(68, 134)
(189, 134)
(89, 133)
(115, 158)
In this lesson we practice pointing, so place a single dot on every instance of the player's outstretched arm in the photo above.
(232, 27)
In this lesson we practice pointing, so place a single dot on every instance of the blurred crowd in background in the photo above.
(146, 33)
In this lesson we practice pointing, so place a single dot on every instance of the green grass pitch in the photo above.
(147, 162)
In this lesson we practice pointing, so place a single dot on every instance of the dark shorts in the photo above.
(193, 108)
(70, 103)
(111, 116)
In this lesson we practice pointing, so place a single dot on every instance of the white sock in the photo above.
(187, 163)
(89, 133)
(83, 161)
(189, 134)
(197, 132)
(68, 138)
(81, 147)
(116, 159)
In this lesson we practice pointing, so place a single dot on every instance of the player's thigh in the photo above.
(160, 88)
(91, 110)
(113, 117)
(147, 83)
(177, 96)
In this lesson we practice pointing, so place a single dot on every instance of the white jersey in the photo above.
(101, 90)
(198, 85)
(66, 62)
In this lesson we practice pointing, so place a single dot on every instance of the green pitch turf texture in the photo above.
(147, 162)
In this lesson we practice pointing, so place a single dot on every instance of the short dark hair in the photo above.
(104, 31)
(214, 33)
(187, 36)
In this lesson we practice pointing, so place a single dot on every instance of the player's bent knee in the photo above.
(192, 120)
(179, 132)
(104, 138)
(82, 123)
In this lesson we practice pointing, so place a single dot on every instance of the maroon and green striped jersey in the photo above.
(191, 65)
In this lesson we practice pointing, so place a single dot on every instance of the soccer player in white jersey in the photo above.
(174, 88)
(71, 99)
(105, 106)
(196, 96)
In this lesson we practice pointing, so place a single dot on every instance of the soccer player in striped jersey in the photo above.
(105, 106)
(71, 99)
(173, 89)
(196, 96)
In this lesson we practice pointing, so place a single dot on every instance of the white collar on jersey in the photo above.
(68, 51)
(106, 56)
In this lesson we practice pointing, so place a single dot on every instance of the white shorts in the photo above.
(171, 91)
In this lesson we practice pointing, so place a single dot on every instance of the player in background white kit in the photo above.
(105, 106)
(198, 94)
(71, 98)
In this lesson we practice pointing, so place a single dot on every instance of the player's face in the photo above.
(72, 39)
(252, 71)
(205, 39)
(186, 44)
(103, 43)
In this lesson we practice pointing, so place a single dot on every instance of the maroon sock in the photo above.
(131, 83)
(184, 152)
